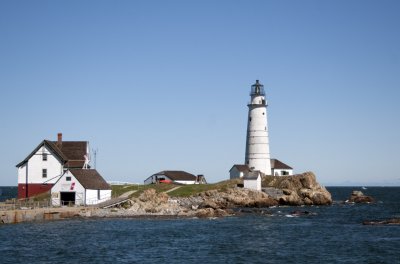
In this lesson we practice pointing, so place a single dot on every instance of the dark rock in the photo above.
(287, 192)
(359, 197)
(302, 213)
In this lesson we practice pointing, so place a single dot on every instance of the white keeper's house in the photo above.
(278, 168)
(40, 170)
(80, 187)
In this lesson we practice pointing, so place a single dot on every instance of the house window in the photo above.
(44, 156)
(44, 173)
(68, 178)
(98, 194)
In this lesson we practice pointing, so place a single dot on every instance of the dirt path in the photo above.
(173, 189)
(127, 194)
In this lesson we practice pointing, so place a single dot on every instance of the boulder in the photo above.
(292, 199)
(298, 189)
(359, 197)
(205, 212)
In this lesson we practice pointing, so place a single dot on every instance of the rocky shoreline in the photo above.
(296, 190)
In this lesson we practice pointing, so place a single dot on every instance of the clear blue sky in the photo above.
(158, 85)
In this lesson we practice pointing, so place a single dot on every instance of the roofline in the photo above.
(71, 171)
(239, 165)
(44, 142)
(163, 173)
(280, 168)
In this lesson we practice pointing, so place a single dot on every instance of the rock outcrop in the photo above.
(300, 189)
(359, 197)
(213, 203)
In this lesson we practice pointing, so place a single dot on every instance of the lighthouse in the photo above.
(257, 141)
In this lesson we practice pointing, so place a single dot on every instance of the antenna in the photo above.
(95, 156)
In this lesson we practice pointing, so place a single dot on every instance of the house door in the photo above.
(67, 198)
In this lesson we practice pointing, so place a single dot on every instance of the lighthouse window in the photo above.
(263, 113)
(250, 119)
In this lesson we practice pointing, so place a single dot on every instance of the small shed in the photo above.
(238, 171)
(80, 187)
(252, 180)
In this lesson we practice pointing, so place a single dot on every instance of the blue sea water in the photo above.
(334, 235)
(8, 192)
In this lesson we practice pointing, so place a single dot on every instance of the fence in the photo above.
(24, 204)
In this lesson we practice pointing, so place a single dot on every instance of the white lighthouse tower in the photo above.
(257, 141)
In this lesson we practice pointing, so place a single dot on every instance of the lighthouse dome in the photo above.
(257, 89)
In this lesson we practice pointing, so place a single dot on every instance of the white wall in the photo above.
(257, 140)
(150, 180)
(279, 172)
(186, 182)
(235, 173)
(22, 173)
(65, 186)
(92, 196)
(35, 165)
(253, 184)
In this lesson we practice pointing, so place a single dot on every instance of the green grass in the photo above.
(117, 190)
(183, 191)
(188, 190)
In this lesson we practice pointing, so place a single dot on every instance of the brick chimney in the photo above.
(59, 140)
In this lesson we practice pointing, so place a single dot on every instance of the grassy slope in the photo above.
(183, 191)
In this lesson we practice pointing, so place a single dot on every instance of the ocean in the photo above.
(330, 234)
(8, 192)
